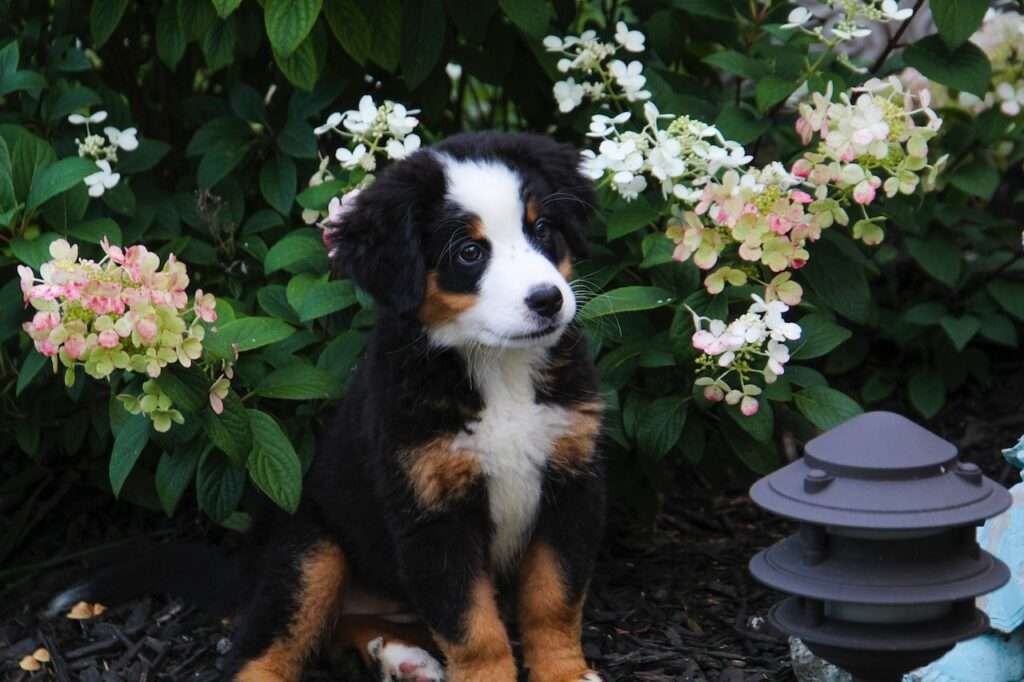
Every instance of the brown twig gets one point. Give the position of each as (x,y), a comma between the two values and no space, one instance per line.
(895,39)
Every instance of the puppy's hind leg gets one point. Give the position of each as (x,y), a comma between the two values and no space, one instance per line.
(397,650)
(291,609)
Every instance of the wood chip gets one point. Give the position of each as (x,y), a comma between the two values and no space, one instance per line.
(81,611)
(42,655)
(29,664)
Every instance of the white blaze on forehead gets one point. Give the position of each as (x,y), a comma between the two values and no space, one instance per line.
(491,191)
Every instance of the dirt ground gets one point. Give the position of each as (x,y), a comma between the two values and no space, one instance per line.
(671,601)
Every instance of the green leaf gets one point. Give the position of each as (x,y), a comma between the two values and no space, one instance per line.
(938,256)
(274,301)
(736,63)
(104,18)
(219,134)
(171,41)
(278,181)
(385,16)
(297,140)
(1009,295)
(273,463)
(350,27)
(300,67)
(219,45)
(964,68)
(761,458)
(771,90)
(629,218)
(925,314)
(657,249)
(226,7)
(173,474)
(289,22)
(423,33)
(299,381)
(187,388)
(219,485)
(8,198)
(741,125)
(36,252)
(977,178)
(999,329)
(317,198)
(292,250)
(195,18)
(825,407)
(712,9)
(230,430)
(29,155)
(341,355)
(659,425)
(57,178)
(128,445)
(29,369)
(838,280)
(248,333)
(819,335)
(927,392)
(531,16)
(760,426)
(624,300)
(961,330)
(957,20)
(218,163)
(93,231)
(148,155)
(324,298)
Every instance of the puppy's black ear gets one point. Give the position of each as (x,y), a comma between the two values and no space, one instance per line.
(379,241)
(572,198)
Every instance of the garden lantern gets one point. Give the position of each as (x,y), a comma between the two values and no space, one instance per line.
(885,566)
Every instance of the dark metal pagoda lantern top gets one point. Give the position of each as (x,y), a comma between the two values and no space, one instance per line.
(885,567)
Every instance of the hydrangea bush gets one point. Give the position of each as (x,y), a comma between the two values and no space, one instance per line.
(802,213)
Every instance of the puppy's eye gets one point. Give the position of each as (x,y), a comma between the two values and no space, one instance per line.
(470,254)
(541,231)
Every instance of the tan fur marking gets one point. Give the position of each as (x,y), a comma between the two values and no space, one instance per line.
(485,655)
(476,229)
(550,624)
(356,631)
(323,571)
(440,306)
(440,474)
(532,212)
(565,267)
(573,450)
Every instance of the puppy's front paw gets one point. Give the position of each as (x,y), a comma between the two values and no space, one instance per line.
(403,663)
(591,676)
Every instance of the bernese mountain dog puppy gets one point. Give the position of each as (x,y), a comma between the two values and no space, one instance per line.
(460,471)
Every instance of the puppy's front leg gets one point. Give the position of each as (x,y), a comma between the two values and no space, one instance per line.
(443,556)
(553,580)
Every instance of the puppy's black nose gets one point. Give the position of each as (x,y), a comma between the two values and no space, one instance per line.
(545,300)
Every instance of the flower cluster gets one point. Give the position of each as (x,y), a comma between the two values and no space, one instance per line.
(681,158)
(752,345)
(125,312)
(874,140)
(850,19)
(103,150)
(1001,38)
(370,132)
(602,78)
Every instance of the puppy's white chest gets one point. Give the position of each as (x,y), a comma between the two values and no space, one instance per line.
(513,439)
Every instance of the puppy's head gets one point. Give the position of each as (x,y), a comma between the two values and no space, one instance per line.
(473,237)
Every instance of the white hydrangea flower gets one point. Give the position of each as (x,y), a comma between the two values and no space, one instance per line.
(351,158)
(332,123)
(399,149)
(798,17)
(568,94)
(125,139)
(400,120)
(632,41)
(102,180)
(78,119)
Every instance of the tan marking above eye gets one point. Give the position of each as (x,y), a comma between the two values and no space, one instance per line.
(440,306)
(532,212)
(565,267)
(476,229)
(440,474)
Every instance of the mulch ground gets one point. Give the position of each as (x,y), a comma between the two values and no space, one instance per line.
(671,601)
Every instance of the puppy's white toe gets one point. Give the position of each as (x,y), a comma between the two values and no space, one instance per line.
(403,663)
(591,677)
